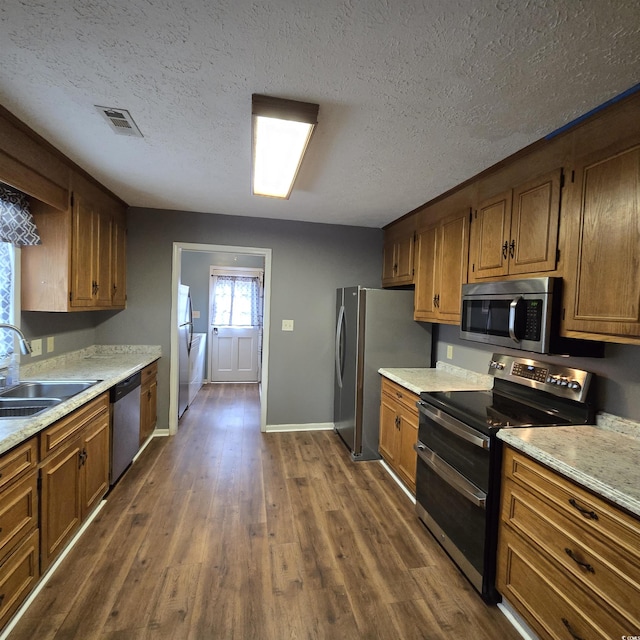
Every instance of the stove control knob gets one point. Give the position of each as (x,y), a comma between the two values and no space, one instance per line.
(575,385)
(494,364)
(563,382)
(553,379)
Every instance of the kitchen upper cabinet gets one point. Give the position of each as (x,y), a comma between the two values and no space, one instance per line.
(399,430)
(602,291)
(80,264)
(398,254)
(441,269)
(516,232)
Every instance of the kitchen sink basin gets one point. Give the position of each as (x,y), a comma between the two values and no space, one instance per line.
(33,396)
(61,389)
(23,407)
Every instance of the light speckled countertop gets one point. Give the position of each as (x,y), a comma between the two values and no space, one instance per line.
(603,458)
(109,364)
(445,377)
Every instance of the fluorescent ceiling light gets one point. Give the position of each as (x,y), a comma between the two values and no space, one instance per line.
(281,133)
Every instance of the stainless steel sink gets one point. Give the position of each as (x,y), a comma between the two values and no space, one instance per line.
(23,407)
(30,397)
(61,389)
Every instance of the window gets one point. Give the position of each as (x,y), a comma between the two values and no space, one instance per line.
(9,303)
(236,301)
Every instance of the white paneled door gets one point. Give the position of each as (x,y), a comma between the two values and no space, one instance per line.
(234,352)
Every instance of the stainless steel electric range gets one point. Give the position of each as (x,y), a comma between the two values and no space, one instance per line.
(459,455)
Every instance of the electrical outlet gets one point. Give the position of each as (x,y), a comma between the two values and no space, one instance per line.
(50,344)
(287,325)
(36,347)
(450,351)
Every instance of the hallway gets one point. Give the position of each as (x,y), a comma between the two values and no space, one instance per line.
(225,532)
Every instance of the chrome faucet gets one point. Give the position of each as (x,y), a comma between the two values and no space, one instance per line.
(25,347)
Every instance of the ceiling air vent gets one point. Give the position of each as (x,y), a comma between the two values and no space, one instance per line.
(120,121)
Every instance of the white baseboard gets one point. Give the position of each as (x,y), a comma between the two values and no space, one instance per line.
(397,480)
(516,621)
(309,426)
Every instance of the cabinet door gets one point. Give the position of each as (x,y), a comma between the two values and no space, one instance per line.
(534,225)
(118,261)
(388,262)
(83,252)
(148,409)
(604,295)
(61,511)
(452,266)
(425,259)
(491,235)
(103,289)
(404,259)
(95,463)
(388,428)
(406,455)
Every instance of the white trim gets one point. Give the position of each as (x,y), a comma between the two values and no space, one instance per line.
(176,268)
(50,571)
(397,480)
(516,620)
(309,426)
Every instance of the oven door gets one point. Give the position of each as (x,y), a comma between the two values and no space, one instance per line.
(452,485)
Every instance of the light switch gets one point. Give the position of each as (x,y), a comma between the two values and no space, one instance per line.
(195,314)
(50,344)
(449,351)
(287,325)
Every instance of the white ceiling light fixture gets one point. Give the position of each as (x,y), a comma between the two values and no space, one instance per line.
(281,132)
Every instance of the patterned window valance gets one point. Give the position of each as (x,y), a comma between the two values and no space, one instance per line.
(16,223)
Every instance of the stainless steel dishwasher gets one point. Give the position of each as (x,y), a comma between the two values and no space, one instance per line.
(125,425)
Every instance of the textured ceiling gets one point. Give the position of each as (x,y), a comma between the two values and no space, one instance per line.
(415,96)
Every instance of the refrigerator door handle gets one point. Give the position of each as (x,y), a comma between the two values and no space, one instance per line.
(340,346)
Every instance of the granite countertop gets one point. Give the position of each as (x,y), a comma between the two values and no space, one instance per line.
(601,458)
(444,377)
(110,364)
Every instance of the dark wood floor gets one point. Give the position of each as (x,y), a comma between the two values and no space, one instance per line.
(224,532)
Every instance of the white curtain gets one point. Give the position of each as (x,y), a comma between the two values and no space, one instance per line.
(237,302)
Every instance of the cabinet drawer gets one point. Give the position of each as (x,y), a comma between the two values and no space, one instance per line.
(18,575)
(400,395)
(67,428)
(600,567)
(18,461)
(18,512)
(549,599)
(595,516)
(149,373)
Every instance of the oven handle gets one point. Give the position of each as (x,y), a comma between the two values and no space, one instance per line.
(513,308)
(454,479)
(456,427)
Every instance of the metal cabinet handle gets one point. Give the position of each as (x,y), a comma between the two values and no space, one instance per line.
(512,249)
(589,515)
(584,565)
(505,248)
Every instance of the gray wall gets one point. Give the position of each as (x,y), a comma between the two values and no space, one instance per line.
(618,373)
(71,331)
(309,262)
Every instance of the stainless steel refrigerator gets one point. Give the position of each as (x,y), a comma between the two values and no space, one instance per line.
(374,328)
(185,338)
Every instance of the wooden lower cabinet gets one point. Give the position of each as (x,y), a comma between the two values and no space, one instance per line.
(399,430)
(148,401)
(74,476)
(19,574)
(568,561)
(19,535)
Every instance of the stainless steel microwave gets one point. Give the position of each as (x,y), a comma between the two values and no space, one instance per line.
(520,314)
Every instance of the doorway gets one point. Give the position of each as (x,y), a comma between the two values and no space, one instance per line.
(227,255)
(236,313)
